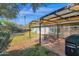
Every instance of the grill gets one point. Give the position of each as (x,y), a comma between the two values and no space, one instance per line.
(72,45)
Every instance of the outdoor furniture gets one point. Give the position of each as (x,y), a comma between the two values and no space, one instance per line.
(72,45)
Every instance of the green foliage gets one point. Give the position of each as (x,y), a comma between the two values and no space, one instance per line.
(11,26)
(8,10)
(7,23)
(35,6)
(4,40)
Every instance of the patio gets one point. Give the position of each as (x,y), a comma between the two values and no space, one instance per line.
(57,46)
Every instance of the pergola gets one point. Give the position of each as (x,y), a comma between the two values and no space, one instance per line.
(64,15)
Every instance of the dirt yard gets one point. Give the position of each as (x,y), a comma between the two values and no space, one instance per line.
(22,41)
(57,47)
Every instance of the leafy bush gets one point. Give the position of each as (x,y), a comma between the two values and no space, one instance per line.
(4,40)
(11,26)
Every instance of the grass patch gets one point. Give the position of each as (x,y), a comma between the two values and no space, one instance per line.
(32,35)
(23,36)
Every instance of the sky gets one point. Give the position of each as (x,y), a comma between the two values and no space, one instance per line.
(27,12)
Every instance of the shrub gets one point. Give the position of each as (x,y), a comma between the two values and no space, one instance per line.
(4,40)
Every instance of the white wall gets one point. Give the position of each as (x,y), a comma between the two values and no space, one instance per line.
(44,30)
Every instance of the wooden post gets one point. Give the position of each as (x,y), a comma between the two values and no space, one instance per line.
(40,32)
(58,29)
(29,31)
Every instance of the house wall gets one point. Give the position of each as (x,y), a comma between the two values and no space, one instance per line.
(44,30)
(53,30)
(63,30)
(69,30)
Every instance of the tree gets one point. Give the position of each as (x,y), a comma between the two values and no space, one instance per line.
(9,10)
(35,6)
